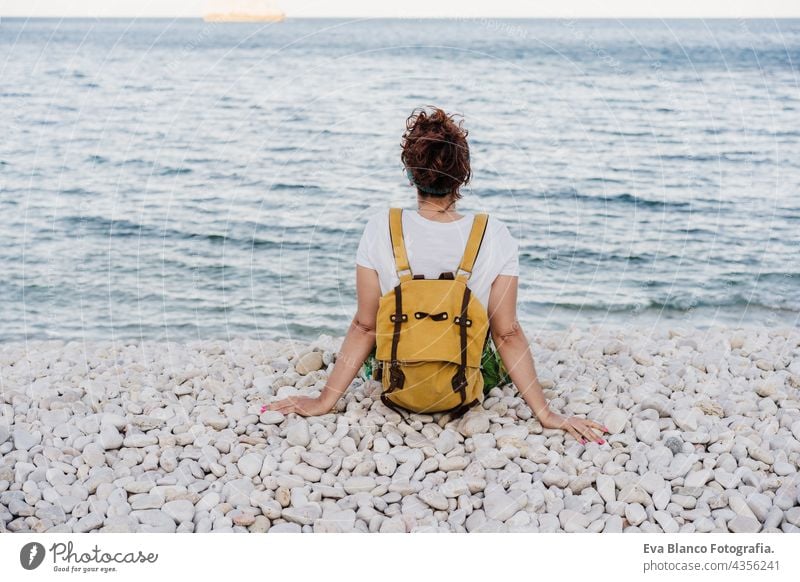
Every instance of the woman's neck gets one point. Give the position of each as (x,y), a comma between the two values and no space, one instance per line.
(441,210)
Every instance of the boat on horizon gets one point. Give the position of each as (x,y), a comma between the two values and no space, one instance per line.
(242,11)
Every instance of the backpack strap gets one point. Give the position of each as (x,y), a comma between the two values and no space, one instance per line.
(398,245)
(473,246)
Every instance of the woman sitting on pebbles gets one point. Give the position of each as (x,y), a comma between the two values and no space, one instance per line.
(436,155)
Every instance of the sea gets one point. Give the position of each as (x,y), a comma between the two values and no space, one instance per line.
(176,180)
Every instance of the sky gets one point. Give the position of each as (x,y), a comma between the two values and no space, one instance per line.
(424,8)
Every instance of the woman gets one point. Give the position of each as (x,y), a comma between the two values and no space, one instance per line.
(436,157)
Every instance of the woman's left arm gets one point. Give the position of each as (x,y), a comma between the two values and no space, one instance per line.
(357,345)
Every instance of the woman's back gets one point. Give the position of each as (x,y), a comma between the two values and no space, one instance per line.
(435,247)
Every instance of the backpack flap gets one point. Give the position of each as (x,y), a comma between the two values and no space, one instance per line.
(429,322)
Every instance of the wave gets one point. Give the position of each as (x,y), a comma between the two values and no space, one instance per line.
(739,304)
(77,192)
(124,228)
(624,199)
(170,171)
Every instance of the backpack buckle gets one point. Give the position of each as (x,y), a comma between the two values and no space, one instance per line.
(459,381)
(393,317)
(396,376)
(434,316)
(457,320)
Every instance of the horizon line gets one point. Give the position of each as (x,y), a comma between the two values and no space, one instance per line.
(384,17)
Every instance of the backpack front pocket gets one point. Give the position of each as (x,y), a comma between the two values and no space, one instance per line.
(428,386)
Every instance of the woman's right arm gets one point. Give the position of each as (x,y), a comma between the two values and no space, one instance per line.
(514,349)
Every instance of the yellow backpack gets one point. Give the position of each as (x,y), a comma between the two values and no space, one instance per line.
(431,333)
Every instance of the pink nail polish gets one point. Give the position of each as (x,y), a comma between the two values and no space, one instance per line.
(601,441)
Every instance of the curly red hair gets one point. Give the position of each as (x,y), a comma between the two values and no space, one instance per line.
(436,152)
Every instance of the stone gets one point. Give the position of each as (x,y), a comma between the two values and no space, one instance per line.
(446,442)
(304,515)
(140,440)
(180,510)
(727,480)
(652,482)
(285,527)
(250,464)
(635,513)
(491,458)
(743,524)
(666,521)
(145,501)
(110,437)
(260,525)
(435,499)
(454,487)
(634,493)
(340,521)
(309,362)
(297,434)
(474,422)
(154,521)
(555,477)
(697,478)
(763,455)
(686,419)
(385,464)
(647,431)
(572,521)
(216,421)
(674,444)
(393,525)
(737,503)
(94,455)
(499,505)
(359,484)
(606,488)
(761,504)
(307,472)
(453,464)
(244,519)
(88,523)
(484,441)
(792,516)
(271,417)
(613,524)
(237,492)
(315,459)
(615,420)
(25,440)
(20,508)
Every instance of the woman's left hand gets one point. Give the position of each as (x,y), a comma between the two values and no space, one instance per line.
(302,405)
(581,429)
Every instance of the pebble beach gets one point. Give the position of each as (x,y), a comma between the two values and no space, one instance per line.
(148,436)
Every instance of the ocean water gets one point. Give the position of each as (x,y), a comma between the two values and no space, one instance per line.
(177,179)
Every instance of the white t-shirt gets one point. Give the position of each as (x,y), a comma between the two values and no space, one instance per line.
(436,247)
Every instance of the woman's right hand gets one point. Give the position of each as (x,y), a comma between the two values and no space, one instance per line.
(580,428)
